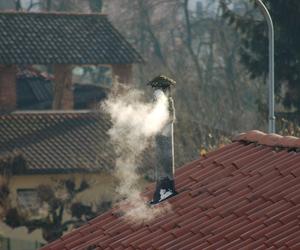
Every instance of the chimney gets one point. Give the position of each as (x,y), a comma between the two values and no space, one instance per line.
(123,72)
(63,98)
(8,95)
(165,186)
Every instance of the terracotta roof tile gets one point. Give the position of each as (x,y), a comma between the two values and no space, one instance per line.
(269,139)
(198,244)
(243,196)
(293,242)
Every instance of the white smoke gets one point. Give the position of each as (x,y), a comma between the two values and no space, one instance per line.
(135,123)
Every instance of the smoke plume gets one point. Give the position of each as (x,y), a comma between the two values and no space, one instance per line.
(135,123)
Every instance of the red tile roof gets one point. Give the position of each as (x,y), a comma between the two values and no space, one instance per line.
(245,195)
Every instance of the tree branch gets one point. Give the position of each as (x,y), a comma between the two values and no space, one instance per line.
(32,5)
(189,41)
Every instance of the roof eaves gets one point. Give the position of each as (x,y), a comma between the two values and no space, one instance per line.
(42,171)
(52,13)
(272,140)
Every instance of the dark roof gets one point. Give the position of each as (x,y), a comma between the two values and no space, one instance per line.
(62,38)
(245,195)
(58,141)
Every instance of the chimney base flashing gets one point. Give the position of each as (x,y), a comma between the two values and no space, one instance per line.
(165,188)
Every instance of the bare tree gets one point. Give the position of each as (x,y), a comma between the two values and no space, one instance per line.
(215,96)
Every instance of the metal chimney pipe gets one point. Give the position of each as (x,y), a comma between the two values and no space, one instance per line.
(165,185)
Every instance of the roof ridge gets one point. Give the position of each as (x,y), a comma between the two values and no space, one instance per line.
(54,13)
(85,111)
(271,139)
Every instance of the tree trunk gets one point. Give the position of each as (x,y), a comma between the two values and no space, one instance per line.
(48,5)
(95,6)
(189,42)
(18,5)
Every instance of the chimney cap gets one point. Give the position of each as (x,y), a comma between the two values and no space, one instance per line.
(162,82)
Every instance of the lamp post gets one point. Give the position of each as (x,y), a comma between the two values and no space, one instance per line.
(266,14)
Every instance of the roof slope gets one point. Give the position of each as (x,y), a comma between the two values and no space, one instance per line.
(60,38)
(245,195)
(58,141)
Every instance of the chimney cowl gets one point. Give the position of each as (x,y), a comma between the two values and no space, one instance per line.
(162,82)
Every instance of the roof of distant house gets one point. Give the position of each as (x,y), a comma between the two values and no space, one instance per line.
(52,142)
(62,38)
(245,195)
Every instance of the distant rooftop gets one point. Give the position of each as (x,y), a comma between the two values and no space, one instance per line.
(52,141)
(41,142)
(62,38)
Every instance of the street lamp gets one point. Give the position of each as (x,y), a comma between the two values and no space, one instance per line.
(267,16)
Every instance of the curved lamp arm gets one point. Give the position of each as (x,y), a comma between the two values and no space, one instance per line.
(267,16)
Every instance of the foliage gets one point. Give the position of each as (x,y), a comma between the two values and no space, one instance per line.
(4,198)
(96,5)
(254,52)
(288,128)
(214,144)
(60,5)
(56,203)
(9,165)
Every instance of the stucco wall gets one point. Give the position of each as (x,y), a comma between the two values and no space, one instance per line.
(101,188)
(101,184)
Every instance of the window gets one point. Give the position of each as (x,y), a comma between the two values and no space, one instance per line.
(98,75)
(33,5)
(28,200)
